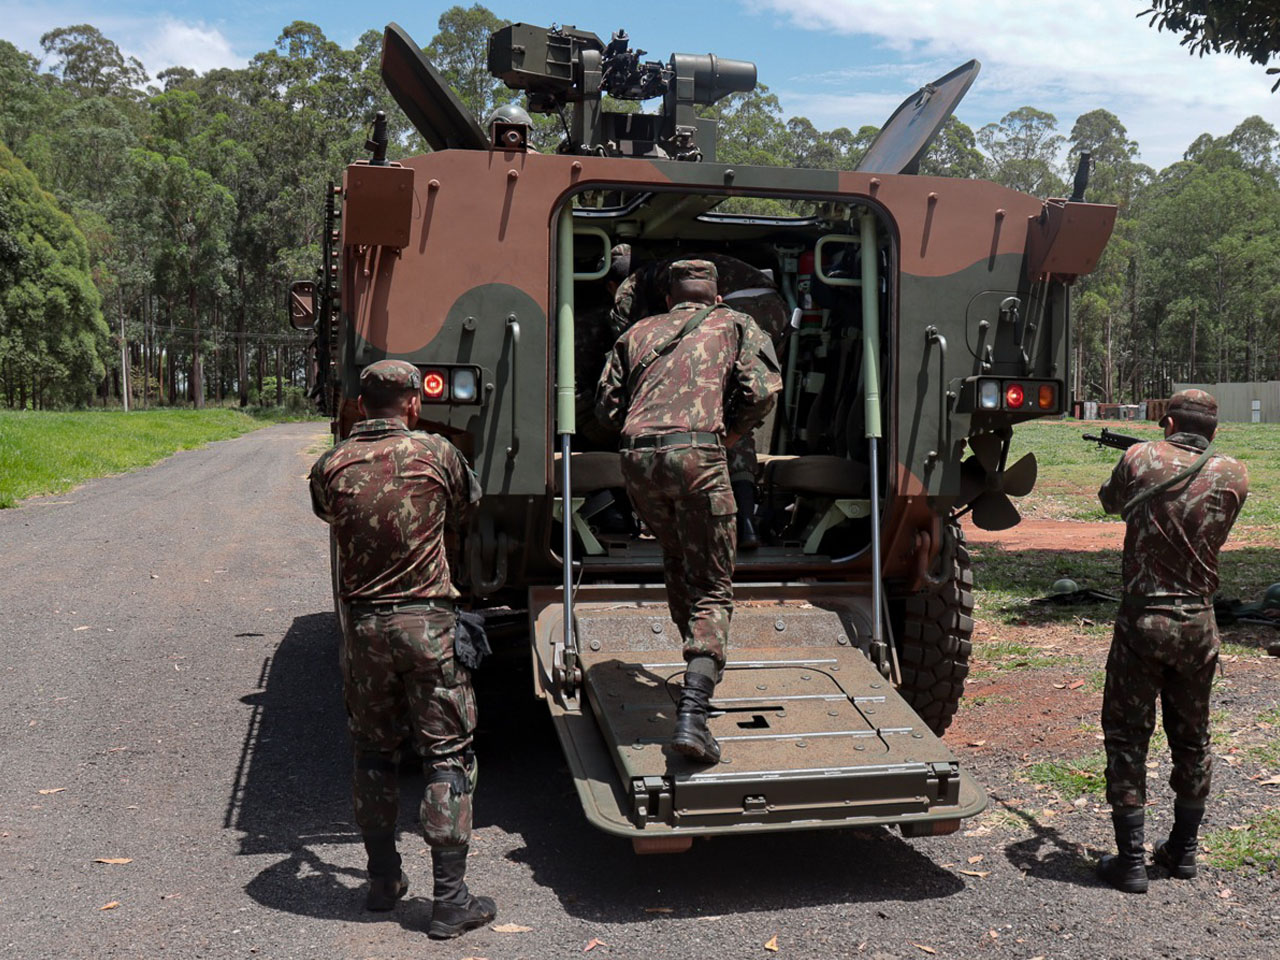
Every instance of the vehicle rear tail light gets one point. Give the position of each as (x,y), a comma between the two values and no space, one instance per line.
(989,394)
(1047,398)
(433,385)
(1014,395)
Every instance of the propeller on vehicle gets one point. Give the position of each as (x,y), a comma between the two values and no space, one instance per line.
(985,488)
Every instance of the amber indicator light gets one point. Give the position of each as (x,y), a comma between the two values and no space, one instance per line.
(1045,398)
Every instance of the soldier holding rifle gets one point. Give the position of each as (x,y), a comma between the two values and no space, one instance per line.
(1178,500)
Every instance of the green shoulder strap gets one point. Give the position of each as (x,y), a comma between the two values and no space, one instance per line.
(648,359)
(1143,496)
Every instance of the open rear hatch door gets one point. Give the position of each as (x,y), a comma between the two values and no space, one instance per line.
(426,97)
(906,135)
(812,733)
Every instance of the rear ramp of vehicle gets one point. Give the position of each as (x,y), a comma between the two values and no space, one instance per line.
(812,732)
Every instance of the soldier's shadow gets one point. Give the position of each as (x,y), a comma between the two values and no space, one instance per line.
(291,795)
(1048,855)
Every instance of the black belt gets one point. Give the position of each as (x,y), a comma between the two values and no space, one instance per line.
(373,608)
(697,438)
(1140,601)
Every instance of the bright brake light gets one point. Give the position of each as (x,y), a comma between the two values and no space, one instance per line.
(1014,395)
(433,385)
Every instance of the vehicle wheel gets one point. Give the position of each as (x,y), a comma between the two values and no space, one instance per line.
(934,630)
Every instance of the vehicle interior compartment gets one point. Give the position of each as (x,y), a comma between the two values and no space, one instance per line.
(813,472)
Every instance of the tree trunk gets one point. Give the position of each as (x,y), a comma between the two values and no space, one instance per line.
(242,345)
(279,379)
(197,372)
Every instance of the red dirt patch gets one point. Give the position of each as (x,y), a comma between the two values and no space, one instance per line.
(1080,535)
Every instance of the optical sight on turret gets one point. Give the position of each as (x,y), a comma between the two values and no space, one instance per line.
(563,65)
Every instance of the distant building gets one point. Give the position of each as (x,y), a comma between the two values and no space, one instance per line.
(1257,402)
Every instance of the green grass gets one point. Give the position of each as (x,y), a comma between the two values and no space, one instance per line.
(44,453)
(1258,842)
(1271,717)
(1266,754)
(1071,470)
(1072,778)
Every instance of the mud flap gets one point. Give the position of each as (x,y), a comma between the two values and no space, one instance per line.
(812,733)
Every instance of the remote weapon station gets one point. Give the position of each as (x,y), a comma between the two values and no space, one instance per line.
(928,317)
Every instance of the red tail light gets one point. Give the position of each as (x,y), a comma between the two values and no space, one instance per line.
(1014,395)
(433,385)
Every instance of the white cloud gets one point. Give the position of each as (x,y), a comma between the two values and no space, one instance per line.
(1066,56)
(175,43)
(158,42)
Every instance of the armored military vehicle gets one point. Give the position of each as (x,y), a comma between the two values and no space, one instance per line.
(929,316)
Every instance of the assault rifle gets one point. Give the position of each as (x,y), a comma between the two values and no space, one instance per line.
(1118,441)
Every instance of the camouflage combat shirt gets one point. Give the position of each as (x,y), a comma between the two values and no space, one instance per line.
(645,290)
(1171,541)
(720,378)
(389,493)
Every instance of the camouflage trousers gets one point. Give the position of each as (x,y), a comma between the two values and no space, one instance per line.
(1169,653)
(683,496)
(399,674)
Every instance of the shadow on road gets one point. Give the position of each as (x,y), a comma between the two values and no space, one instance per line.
(1048,855)
(291,797)
(292,789)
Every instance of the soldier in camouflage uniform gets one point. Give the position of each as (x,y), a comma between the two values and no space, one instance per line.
(746,289)
(668,385)
(1178,501)
(389,494)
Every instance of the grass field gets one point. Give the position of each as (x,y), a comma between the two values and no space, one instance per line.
(1071,470)
(50,452)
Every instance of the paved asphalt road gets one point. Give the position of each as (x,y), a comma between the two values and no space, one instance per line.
(170,672)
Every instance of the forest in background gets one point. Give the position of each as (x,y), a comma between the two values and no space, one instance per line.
(156,221)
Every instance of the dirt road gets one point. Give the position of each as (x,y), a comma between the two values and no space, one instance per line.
(171,697)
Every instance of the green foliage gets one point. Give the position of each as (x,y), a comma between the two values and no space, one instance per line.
(44,453)
(1245,28)
(1023,148)
(51,328)
(82,56)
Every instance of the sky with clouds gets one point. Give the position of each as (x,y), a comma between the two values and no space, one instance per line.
(838,62)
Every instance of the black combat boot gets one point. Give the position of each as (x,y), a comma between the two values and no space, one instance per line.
(744,494)
(387,882)
(455,910)
(692,738)
(1178,853)
(1127,869)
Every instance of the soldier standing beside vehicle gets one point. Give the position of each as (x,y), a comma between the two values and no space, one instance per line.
(388,494)
(668,384)
(1178,501)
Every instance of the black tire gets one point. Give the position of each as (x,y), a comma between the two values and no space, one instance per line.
(934,633)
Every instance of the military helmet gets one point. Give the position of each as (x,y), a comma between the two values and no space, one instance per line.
(509,113)
(1064,586)
(509,127)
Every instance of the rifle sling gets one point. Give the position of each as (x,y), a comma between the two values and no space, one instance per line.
(648,359)
(1143,496)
